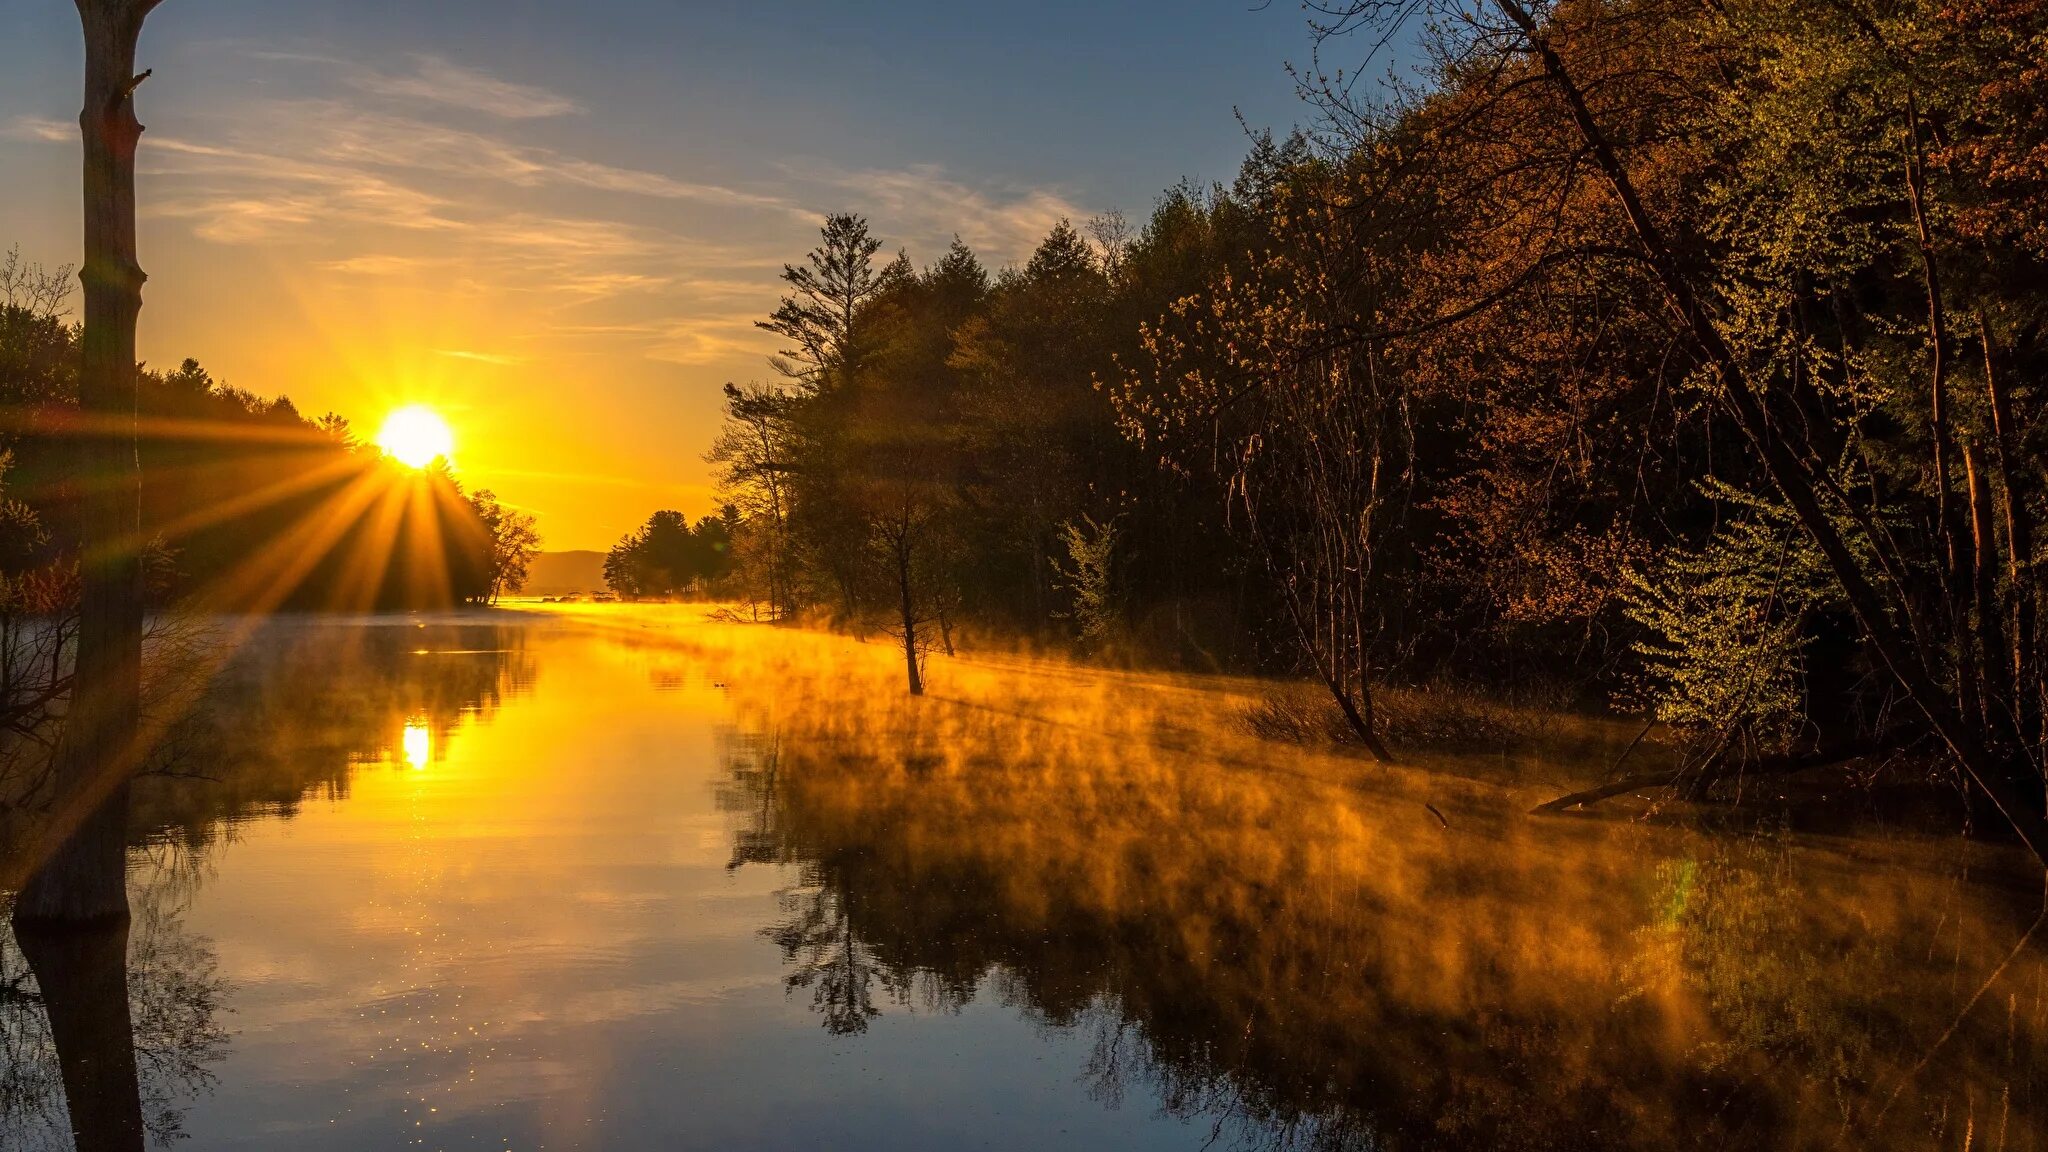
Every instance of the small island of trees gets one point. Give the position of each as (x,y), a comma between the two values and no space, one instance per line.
(670,557)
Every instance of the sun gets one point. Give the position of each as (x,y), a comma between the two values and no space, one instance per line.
(415,436)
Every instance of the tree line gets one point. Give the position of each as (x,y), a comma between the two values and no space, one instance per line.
(235,486)
(669,557)
(1682,358)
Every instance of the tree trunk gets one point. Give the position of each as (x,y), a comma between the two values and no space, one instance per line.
(1995,777)
(909,618)
(1359,714)
(81,878)
(1949,517)
(2000,713)
(1937,363)
(1330,665)
(82,972)
(2019,540)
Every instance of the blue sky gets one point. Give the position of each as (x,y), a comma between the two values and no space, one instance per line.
(557,221)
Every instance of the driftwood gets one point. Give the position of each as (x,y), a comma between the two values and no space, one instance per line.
(1613,788)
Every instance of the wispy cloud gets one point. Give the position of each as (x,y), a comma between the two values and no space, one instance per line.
(497,358)
(709,339)
(39,128)
(377,265)
(374,178)
(440,81)
(925,204)
(318,140)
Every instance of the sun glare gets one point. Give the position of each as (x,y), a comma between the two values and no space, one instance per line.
(415,436)
(417,744)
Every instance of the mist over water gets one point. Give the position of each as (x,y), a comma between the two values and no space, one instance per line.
(618,877)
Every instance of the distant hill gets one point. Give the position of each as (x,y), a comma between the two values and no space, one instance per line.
(557,573)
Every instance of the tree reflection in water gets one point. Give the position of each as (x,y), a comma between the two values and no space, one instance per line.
(173,1027)
(1294,955)
(298,709)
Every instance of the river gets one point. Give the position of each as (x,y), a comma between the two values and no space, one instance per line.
(620,877)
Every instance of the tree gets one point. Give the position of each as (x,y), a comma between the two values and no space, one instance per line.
(1312,434)
(753,450)
(1036,428)
(822,315)
(1754,254)
(1089,575)
(903,500)
(75,902)
(669,556)
(81,876)
(513,543)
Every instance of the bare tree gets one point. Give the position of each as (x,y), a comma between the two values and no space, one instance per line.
(902,512)
(41,292)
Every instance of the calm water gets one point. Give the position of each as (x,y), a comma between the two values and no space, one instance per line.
(623,879)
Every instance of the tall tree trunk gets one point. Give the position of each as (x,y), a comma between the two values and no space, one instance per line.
(1996,778)
(82,876)
(2019,541)
(909,609)
(1937,362)
(2000,712)
(1950,520)
(82,973)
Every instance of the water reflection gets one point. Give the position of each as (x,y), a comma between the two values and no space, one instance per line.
(121,1022)
(306,702)
(418,742)
(111,1031)
(1292,956)
(891,915)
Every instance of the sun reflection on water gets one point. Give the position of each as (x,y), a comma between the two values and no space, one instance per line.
(417,744)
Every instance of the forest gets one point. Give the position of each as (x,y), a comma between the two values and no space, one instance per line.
(1670,359)
(1514,620)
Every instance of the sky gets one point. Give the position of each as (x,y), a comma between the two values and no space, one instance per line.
(556,223)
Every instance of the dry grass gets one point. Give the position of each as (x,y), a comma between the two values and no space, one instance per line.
(1434,718)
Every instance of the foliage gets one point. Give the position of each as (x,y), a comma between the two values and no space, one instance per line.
(1727,626)
(513,542)
(823,317)
(669,557)
(1091,549)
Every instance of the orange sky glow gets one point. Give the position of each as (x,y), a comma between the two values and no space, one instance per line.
(557,243)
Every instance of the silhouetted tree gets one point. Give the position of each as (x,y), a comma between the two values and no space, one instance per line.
(822,316)
(513,542)
(669,556)
(81,875)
